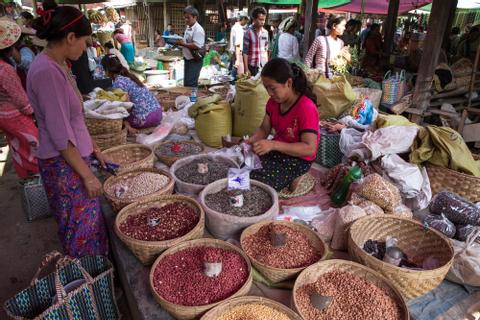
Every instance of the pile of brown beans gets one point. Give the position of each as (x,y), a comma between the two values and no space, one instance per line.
(253,311)
(354,298)
(138,186)
(174,220)
(297,252)
(179,278)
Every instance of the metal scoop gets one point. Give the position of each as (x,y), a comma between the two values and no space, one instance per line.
(320,302)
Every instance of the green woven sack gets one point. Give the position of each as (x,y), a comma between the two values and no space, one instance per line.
(213,120)
(249,107)
(50,297)
(329,154)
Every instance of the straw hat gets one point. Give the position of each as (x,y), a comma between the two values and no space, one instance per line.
(10,32)
(287,23)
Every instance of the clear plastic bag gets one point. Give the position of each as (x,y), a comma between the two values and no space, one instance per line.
(380,191)
(455,208)
(463,231)
(324,224)
(368,206)
(440,223)
(346,216)
(402,211)
(466,262)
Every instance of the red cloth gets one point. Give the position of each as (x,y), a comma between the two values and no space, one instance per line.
(302,117)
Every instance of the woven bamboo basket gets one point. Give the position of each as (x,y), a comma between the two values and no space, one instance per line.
(276,275)
(148,251)
(312,273)
(103,126)
(228,305)
(190,312)
(414,240)
(168,160)
(131,156)
(110,140)
(444,179)
(119,203)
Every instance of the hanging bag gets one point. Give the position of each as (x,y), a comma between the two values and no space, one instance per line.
(393,86)
(78,289)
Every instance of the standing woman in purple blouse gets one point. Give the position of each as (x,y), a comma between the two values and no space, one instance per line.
(65,145)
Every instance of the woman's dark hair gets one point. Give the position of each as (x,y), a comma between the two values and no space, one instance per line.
(5,55)
(109,45)
(113,65)
(281,70)
(118,30)
(49,4)
(373,27)
(333,21)
(258,11)
(55,24)
(26,15)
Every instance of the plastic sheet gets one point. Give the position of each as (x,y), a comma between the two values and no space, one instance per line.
(466,262)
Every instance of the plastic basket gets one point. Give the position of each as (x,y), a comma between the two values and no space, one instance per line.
(34,199)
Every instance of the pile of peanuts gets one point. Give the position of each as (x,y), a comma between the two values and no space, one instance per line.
(138,186)
(354,298)
(297,252)
(253,311)
(180,278)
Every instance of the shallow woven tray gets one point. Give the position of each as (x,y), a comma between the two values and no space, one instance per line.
(444,179)
(276,275)
(312,273)
(119,203)
(411,236)
(110,140)
(171,160)
(307,184)
(102,126)
(131,156)
(190,312)
(228,305)
(148,251)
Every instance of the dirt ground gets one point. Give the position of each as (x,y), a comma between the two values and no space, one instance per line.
(22,243)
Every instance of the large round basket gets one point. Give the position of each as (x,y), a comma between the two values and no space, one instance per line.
(109,140)
(276,275)
(415,242)
(444,179)
(148,251)
(228,305)
(191,188)
(190,312)
(169,160)
(131,156)
(119,203)
(224,226)
(102,126)
(312,273)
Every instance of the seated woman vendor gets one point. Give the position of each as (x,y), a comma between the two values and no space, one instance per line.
(146,111)
(294,117)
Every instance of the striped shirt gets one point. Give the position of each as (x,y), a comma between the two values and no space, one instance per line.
(255,46)
(13,98)
(318,52)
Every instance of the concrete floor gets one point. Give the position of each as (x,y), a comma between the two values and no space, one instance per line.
(23,243)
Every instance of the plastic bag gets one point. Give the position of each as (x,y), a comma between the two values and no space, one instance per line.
(369,207)
(422,200)
(380,191)
(161,131)
(334,96)
(463,232)
(350,139)
(455,208)
(440,223)
(407,177)
(401,211)
(324,224)
(346,216)
(231,94)
(466,262)
(389,140)
(238,179)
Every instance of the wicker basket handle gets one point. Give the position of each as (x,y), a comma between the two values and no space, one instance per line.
(47,259)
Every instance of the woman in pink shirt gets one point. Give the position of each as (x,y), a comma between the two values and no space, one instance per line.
(16,118)
(126,45)
(65,145)
(293,115)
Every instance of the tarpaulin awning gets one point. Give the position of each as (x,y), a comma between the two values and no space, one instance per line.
(321,3)
(378,6)
(462,4)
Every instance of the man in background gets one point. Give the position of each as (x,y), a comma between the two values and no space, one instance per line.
(256,43)
(236,43)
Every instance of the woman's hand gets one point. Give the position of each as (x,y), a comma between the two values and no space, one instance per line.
(101,157)
(131,130)
(263,147)
(93,186)
(346,53)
